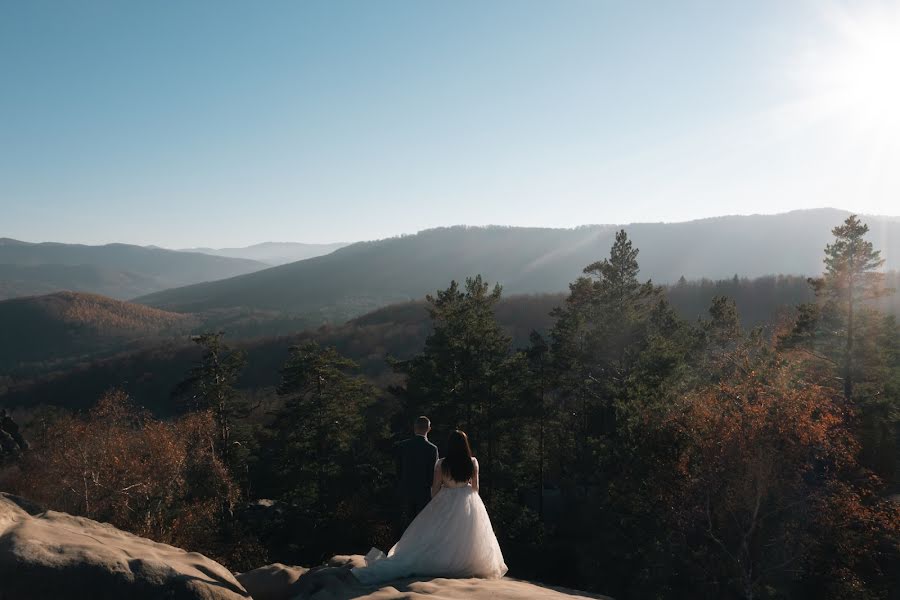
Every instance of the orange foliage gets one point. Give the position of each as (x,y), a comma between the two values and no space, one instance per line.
(106,314)
(762,466)
(157,479)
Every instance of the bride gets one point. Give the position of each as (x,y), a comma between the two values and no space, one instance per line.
(452,536)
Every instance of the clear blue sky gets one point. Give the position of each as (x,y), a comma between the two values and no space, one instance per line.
(221,123)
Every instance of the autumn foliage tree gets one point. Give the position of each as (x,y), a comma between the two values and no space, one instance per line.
(118,464)
(765,464)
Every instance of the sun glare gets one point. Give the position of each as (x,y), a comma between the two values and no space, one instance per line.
(854,75)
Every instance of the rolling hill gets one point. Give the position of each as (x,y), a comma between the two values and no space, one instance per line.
(117,270)
(59,329)
(367,275)
(150,373)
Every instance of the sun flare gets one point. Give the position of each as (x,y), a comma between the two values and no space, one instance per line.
(854,75)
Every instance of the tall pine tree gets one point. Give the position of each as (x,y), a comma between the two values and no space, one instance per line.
(595,341)
(851,279)
(319,425)
(849,341)
(459,379)
(210,385)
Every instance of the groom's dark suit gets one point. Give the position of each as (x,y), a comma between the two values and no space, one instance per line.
(415,467)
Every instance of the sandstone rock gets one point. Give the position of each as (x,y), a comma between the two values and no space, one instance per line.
(272,582)
(51,555)
(335,582)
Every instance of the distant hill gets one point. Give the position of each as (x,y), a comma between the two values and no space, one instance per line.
(273,253)
(59,329)
(117,270)
(19,281)
(367,275)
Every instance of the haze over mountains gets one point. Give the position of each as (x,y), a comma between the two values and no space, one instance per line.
(273,253)
(340,284)
(367,275)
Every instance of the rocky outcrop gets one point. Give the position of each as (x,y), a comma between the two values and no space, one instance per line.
(49,555)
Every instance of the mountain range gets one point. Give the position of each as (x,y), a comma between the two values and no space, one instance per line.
(116,270)
(272,253)
(363,276)
(343,283)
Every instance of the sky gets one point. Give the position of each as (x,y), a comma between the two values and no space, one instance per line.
(226,123)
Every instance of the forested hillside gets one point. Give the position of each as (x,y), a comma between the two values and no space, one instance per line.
(397,330)
(50,332)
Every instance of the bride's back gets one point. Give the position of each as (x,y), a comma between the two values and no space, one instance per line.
(450,482)
(458,468)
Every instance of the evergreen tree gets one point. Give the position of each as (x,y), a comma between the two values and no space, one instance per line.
(619,356)
(851,278)
(320,425)
(210,385)
(724,324)
(722,331)
(538,356)
(851,343)
(838,327)
(459,379)
(595,341)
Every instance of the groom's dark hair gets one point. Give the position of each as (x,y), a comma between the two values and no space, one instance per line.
(422,424)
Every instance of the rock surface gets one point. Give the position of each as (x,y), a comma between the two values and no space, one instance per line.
(335,582)
(272,582)
(49,555)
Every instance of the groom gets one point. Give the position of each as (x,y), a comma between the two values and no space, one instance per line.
(416,458)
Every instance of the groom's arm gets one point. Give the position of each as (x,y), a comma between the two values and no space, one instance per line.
(437,480)
(433,460)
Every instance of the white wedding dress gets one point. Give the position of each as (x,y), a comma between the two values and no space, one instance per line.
(451,537)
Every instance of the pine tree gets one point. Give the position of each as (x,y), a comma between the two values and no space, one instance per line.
(459,379)
(852,343)
(851,278)
(538,356)
(320,422)
(596,337)
(210,385)
(616,285)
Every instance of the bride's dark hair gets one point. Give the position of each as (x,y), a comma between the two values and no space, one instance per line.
(457,465)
